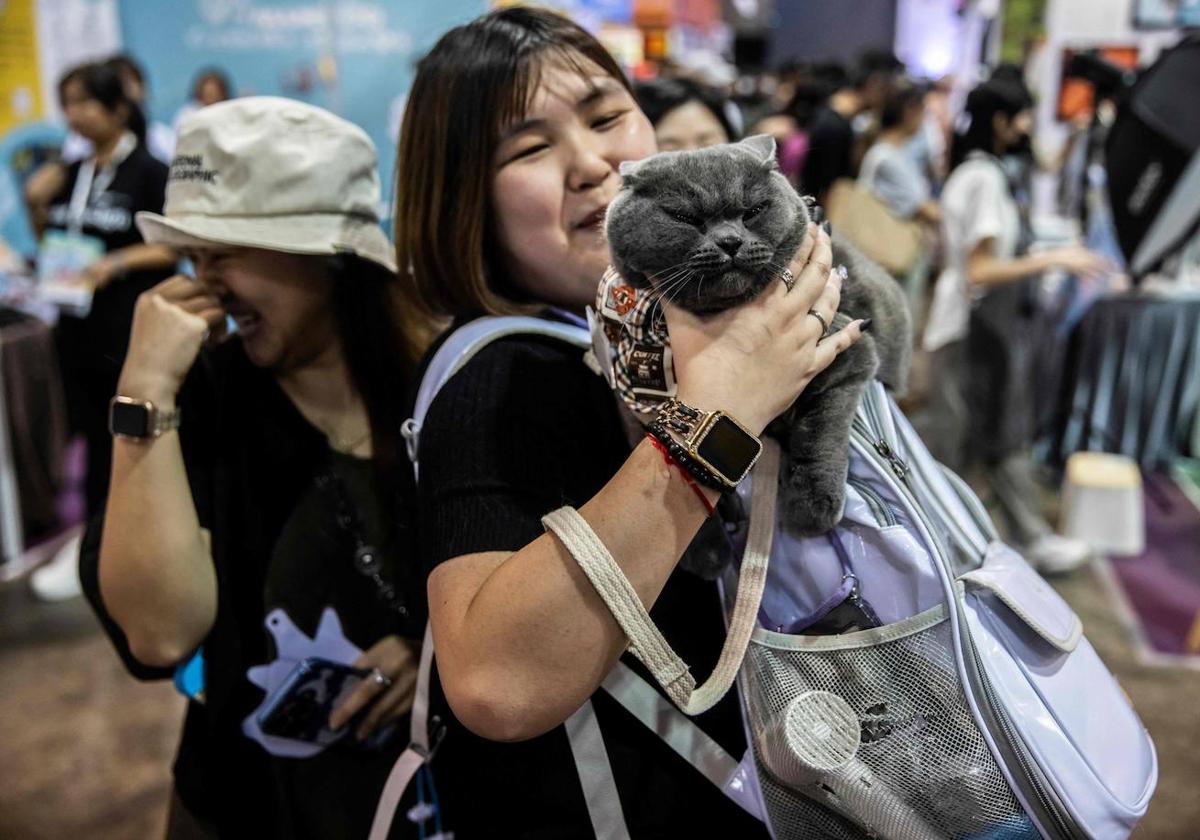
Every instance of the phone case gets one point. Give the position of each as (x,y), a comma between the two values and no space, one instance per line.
(300,708)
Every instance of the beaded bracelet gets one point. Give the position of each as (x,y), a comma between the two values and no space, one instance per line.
(700,472)
(691,482)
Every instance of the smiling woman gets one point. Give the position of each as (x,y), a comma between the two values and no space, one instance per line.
(685,115)
(258,478)
(509,156)
(554,181)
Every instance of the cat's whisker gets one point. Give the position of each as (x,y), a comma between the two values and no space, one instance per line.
(678,280)
(667,279)
(669,269)
(680,286)
(666,291)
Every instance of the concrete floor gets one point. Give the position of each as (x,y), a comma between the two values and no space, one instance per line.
(1168,701)
(85,751)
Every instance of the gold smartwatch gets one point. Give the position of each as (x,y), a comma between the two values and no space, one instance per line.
(712,439)
(132,419)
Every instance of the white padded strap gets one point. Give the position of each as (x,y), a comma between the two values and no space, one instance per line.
(645,640)
(462,346)
(595,774)
(419,724)
(682,735)
(406,766)
(418,751)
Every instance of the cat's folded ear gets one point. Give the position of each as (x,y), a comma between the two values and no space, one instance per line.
(629,170)
(762,148)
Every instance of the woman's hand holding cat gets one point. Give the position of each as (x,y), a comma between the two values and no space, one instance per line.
(754,360)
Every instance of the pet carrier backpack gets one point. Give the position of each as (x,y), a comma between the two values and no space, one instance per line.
(975,709)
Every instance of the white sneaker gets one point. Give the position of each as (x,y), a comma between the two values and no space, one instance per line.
(1052,554)
(58,579)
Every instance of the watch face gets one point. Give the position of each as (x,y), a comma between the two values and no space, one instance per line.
(129,419)
(727,449)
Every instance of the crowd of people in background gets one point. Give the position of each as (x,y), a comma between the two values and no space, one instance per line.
(112,165)
(962,191)
(225,526)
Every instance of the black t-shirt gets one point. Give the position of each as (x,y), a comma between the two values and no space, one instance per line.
(830,152)
(139,183)
(252,462)
(524,428)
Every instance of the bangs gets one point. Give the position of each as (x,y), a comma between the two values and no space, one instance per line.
(475,84)
(516,94)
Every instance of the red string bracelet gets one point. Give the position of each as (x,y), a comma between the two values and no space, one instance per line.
(687,477)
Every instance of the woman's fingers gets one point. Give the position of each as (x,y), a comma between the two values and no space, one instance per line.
(215,318)
(836,343)
(198,303)
(811,275)
(396,701)
(826,305)
(800,259)
(393,665)
(179,288)
(363,694)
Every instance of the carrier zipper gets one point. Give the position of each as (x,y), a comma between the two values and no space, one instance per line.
(883,512)
(878,431)
(974,507)
(1050,813)
(1050,807)
(874,428)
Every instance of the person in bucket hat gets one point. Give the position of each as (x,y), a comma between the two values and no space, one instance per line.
(272,173)
(259,491)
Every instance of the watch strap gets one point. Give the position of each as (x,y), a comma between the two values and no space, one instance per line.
(682,429)
(659,429)
(681,417)
(162,422)
(158,422)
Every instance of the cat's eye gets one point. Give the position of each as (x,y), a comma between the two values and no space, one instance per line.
(694,221)
(755,210)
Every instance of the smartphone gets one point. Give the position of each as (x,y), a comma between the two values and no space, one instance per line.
(850,615)
(299,709)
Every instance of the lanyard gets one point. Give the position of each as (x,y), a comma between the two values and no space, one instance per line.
(89,180)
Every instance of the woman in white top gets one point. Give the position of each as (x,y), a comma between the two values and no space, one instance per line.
(977,329)
(889,170)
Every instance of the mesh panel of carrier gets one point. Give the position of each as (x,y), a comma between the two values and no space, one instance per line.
(921,769)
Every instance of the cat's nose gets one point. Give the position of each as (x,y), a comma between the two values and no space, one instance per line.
(729,242)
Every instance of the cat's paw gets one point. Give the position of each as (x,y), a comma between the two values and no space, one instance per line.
(814,511)
(857,363)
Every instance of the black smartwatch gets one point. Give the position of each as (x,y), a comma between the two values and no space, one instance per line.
(722,447)
(138,419)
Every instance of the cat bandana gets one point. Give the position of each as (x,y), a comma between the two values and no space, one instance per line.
(631,345)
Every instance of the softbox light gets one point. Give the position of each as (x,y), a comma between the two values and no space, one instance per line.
(1153,159)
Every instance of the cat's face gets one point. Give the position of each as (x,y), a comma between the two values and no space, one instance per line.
(708,229)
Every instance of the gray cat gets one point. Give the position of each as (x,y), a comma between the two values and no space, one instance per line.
(711,229)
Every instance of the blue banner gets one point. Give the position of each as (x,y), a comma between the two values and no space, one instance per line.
(353,57)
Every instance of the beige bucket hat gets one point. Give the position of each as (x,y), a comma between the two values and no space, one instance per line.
(273,173)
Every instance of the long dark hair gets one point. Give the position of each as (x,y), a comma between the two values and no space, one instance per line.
(903,96)
(365,308)
(477,79)
(978,130)
(102,82)
(659,97)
